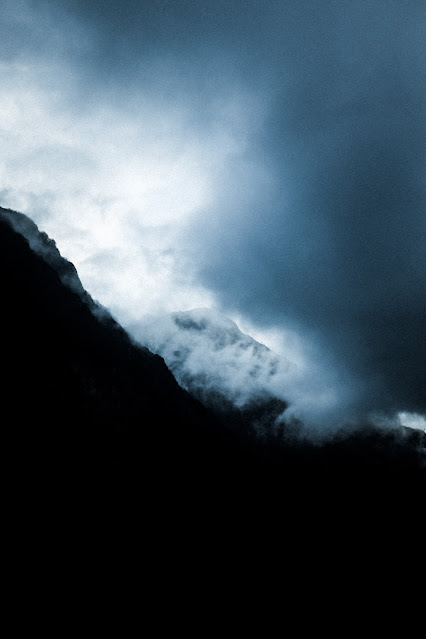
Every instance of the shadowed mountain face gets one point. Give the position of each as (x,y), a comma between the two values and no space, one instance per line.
(90,417)
(84,404)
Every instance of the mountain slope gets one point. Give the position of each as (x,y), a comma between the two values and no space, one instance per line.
(89,417)
(85,407)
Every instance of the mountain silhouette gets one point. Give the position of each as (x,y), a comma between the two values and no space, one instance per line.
(92,421)
(87,406)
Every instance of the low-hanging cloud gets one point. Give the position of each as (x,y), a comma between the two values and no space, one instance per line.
(208,353)
(214,359)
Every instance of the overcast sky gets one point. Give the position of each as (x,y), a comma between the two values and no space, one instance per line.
(262,157)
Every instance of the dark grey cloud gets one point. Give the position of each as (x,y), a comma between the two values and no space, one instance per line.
(337,248)
(318,225)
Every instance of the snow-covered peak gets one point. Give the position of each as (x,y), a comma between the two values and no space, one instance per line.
(207,352)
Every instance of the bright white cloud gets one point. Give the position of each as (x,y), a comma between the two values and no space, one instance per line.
(412,420)
(114,184)
(203,347)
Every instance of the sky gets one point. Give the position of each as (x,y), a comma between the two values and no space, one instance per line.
(262,158)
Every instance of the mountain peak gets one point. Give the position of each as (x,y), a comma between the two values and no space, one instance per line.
(215,361)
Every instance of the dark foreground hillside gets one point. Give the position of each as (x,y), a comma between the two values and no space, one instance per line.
(96,426)
(85,407)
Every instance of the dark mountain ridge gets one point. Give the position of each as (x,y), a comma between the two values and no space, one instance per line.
(91,418)
(83,395)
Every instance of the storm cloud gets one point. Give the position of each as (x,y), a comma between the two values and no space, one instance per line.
(267,158)
(336,248)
